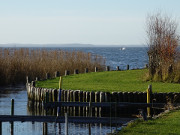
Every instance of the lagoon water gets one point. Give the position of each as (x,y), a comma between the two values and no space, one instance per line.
(135,57)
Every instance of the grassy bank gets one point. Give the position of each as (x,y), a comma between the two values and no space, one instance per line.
(131,80)
(16,64)
(165,125)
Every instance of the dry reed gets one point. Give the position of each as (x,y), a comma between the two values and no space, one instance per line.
(16,64)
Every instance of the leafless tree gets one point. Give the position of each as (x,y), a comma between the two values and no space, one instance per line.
(162,40)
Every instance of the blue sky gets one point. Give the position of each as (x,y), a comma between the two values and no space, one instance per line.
(99,22)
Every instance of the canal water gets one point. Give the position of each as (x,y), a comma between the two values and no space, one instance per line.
(19,94)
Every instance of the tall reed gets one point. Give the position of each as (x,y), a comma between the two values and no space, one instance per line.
(16,64)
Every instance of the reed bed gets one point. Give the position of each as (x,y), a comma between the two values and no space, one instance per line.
(17,63)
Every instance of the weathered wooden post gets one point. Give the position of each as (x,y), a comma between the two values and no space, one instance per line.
(67,72)
(59,96)
(87,100)
(117,68)
(149,91)
(107,68)
(47,75)
(12,113)
(96,69)
(102,99)
(33,83)
(80,100)
(57,74)
(66,123)
(97,95)
(127,67)
(76,71)
(37,79)
(86,70)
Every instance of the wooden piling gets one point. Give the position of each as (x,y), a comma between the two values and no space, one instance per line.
(107,68)
(117,68)
(80,93)
(67,72)
(76,99)
(96,69)
(84,100)
(127,68)
(86,70)
(76,71)
(47,75)
(97,95)
(57,74)
(92,99)
(87,100)
(102,99)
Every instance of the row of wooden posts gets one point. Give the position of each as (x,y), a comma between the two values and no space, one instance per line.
(38,95)
(76,71)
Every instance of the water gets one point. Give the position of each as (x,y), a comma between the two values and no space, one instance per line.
(135,57)
(28,128)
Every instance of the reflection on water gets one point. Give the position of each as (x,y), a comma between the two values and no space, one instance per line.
(19,94)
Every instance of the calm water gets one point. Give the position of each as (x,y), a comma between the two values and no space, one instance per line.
(135,57)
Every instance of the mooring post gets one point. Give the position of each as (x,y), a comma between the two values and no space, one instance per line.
(59,95)
(66,124)
(12,113)
(149,91)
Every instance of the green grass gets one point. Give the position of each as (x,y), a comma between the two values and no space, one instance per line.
(131,80)
(168,124)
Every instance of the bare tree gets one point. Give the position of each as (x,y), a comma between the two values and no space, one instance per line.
(162,39)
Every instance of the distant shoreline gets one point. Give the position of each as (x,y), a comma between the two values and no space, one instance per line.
(64,45)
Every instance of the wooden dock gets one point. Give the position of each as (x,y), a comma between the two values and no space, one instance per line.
(61,119)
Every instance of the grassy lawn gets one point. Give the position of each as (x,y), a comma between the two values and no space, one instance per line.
(131,80)
(168,124)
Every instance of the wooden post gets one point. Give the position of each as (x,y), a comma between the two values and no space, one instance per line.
(149,91)
(59,95)
(97,96)
(37,78)
(67,72)
(117,68)
(47,75)
(96,69)
(12,113)
(33,83)
(66,124)
(57,74)
(127,67)
(76,71)
(107,68)
(86,70)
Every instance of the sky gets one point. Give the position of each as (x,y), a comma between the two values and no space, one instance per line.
(98,22)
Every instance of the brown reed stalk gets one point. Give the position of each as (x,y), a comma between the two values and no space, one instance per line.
(16,64)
